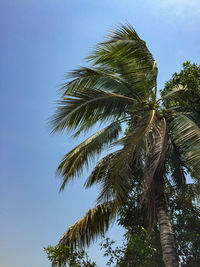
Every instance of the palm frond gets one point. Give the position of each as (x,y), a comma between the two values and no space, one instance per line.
(112,186)
(98,78)
(134,142)
(126,35)
(115,171)
(137,77)
(192,193)
(175,93)
(115,177)
(73,162)
(95,223)
(88,125)
(139,131)
(101,169)
(177,167)
(186,136)
(126,38)
(84,107)
(127,55)
(194,116)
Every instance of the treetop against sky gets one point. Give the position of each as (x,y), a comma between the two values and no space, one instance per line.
(40,41)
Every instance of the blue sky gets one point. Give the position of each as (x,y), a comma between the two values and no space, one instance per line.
(40,41)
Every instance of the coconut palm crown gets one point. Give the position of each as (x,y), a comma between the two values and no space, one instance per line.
(120,86)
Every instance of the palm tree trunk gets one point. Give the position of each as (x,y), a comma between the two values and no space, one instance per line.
(170,256)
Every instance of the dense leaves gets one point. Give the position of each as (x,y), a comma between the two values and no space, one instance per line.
(187,85)
(185,216)
(62,256)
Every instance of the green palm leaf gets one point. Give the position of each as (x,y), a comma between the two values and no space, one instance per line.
(175,98)
(126,54)
(73,162)
(95,222)
(174,91)
(111,186)
(139,133)
(115,171)
(186,136)
(134,143)
(97,78)
(177,170)
(101,169)
(115,177)
(84,107)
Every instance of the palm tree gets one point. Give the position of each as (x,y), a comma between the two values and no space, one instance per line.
(119,87)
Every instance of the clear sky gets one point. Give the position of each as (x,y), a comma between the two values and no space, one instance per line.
(40,41)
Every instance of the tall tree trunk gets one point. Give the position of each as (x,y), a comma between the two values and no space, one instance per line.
(170,256)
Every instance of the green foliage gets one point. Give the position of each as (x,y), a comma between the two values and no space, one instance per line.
(137,250)
(186,136)
(62,256)
(185,214)
(186,100)
(184,125)
(114,254)
(142,248)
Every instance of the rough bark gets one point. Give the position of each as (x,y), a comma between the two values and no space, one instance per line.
(170,256)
